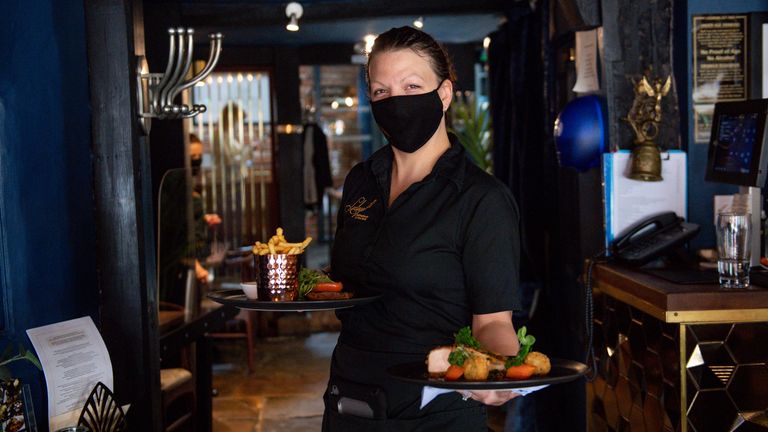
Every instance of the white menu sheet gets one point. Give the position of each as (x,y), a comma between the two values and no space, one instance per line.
(74,359)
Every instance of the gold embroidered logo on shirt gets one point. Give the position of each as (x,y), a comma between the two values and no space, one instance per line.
(356,210)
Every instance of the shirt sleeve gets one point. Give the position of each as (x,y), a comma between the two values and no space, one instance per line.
(491,253)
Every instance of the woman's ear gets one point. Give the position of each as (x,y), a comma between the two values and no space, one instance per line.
(445,91)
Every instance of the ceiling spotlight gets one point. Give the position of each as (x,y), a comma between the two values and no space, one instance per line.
(293,11)
(419,23)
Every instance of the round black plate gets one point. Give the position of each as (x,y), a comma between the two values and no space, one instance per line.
(562,371)
(235,297)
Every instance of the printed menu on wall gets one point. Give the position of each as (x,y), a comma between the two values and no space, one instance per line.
(720,69)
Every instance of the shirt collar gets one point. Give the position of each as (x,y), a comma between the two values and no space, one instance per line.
(451,164)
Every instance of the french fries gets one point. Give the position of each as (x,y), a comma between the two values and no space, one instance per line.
(279,245)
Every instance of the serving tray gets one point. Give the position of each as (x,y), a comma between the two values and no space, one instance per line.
(562,371)
(236,298)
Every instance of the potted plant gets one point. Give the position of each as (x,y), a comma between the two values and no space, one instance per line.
(8,357)
(11,399)
(471,123)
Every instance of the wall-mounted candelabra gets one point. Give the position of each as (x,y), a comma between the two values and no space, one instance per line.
(157,91)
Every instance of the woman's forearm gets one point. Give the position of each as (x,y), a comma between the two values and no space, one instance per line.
(496,332)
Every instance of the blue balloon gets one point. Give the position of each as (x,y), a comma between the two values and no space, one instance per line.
(580,133)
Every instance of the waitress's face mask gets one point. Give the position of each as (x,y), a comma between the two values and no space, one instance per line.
(196,163)
(409,121)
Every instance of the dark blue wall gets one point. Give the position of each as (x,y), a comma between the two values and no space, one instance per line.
(47,237)
(700,192)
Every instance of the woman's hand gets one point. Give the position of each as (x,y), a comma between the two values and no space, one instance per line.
(201,273)
(489,397)
(212,219)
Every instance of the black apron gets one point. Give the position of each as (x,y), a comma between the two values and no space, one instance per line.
(372,401)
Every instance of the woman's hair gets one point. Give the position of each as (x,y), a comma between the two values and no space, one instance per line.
(420,43)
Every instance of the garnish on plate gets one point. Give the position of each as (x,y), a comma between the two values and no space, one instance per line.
(316,285)
(467,359)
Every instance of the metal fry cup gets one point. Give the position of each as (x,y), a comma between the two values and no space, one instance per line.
(278,277)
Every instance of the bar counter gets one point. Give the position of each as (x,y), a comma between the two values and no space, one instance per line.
(677,357)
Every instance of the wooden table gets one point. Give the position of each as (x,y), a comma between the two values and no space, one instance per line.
(677,357)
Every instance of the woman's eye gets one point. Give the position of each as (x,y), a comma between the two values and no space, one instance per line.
(413,86)
(378,92)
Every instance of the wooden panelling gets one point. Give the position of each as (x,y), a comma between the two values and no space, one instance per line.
(122,192)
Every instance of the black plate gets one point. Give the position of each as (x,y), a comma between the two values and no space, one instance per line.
(562,371)
(235,297)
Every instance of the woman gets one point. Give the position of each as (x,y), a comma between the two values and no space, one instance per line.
(435,234)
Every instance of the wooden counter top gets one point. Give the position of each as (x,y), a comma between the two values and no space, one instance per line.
(678,303)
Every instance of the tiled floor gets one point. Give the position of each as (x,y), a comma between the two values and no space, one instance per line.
(284,392)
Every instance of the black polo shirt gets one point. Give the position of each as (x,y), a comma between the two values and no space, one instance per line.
(446,249)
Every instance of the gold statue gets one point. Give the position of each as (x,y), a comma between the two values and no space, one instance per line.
(644,118)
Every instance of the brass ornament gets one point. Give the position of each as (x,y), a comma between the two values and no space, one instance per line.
(644,118)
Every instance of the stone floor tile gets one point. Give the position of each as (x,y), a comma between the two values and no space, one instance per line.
(282,407)
(302,424)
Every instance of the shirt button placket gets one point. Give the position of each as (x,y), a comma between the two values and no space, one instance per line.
(369,249)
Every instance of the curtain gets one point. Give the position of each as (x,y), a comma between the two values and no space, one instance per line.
(523,151)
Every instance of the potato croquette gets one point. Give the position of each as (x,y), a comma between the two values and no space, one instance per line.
(476,368)
(539,361)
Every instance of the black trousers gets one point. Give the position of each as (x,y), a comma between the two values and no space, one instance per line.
(389,404)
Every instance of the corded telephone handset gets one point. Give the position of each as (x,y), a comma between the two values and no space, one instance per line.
(653,237)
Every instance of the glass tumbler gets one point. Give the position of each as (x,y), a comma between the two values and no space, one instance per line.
(733,247)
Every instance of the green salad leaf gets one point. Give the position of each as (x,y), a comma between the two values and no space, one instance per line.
(464,337)
(458,356)
(526,342)
(308,278)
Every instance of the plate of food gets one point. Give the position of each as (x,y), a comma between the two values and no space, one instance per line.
(320,301)
(465,365)
(281,285)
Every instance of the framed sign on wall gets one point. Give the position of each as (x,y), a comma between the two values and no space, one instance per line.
(720,69)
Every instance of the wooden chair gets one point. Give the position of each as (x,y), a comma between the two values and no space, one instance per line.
(241,326)
(234,330)
(178,399)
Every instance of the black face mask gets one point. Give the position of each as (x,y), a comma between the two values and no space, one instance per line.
(409,122)
(196,164)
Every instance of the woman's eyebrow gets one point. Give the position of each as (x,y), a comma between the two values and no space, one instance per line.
(379,83)
(416,75)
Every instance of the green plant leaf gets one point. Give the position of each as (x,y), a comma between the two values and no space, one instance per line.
(23,354)
(29,355)
(472,126)
(5,373)
(7,352)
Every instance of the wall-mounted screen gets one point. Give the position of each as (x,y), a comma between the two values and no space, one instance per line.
(737,150)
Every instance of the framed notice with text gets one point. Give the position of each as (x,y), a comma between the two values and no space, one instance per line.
(720,68)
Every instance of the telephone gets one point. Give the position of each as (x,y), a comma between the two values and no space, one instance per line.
(653,237)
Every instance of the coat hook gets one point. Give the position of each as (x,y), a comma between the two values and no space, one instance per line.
(157,92)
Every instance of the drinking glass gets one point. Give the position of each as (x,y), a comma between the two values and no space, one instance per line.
(733,246)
